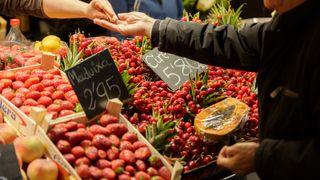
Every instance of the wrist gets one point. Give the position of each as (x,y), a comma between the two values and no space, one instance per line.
(149,27)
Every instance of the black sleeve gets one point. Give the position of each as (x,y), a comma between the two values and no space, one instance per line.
(22,7)
(223,46)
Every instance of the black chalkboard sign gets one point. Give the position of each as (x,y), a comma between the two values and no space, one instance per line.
(9,167)
(95,81)
(172,69)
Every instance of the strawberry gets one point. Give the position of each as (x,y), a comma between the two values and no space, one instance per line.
(164,173)
(57,82)
(17,84)
(57,95)
(47,76)
(6,82)
(30,102)
(102,163)
(31,81)
(54,108)
(21,76)
(67,105)
(64,87)
(126,145)
(142,153)
(17,101)
(138,144)
(20,95)
(36,76)
(68,94)
(53,114)
(37,87)
(46,93)
(8,75)
(73,99)
(124,177)
(130,169)
(85,143)
(142,175)
(25,109)
(50,89)
(65,112)
(97,129)
(82,160)
(70,158)
(72,125)
(33,95)
(47,82)
(129,136)
(76,137)
(141,166)
(8,94)
(155,161)
(95,172)
(91,153)
(152,171)
(101,141)
(127,156)
(45,100)
(54,72)
(115,140)
(64,146)
(108,173)
(83,171)
(114,128)
(78,151)
(102,154)
(113,153)
(38,71)
(108,119)
(117,164)
(23,90)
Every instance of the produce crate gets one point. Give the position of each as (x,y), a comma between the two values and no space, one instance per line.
(114,107)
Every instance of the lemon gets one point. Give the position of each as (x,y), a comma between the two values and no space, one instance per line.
(37,45)
(50,45)
(51,37)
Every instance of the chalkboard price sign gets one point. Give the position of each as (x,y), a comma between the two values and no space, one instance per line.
(95,81)
(172,69)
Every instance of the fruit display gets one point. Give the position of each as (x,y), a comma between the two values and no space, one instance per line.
(18,56)
(39,88)
(106,150)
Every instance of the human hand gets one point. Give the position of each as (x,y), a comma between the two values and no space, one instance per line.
(129,24)
(101,9)
(239,158)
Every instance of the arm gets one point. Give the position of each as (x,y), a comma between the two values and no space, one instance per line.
(222,46)
(21,7)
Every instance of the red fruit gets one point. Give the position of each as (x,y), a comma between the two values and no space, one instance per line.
(45,100)
(64,87)
(164,173)
(141,165)
(73,99)
(54,71)
(108,119)
(6,82)
(71,125)
(142,153)
(8,75)
(58,81)
(67,105)
(95,172)
(8,93)
(92,153)
(17,84)
(138,144)
(129,136)
(83,171)
(57,133)
(23,90)
(114,140)
(117,163)
(124,177)
(57,101)
(68,94)
(50,89)
(126,145)
(70,158)
(65,112)
(76,137)
(108,173)
(116,129)
(36,87)
(31,81)
(82,160)
(113,153)
(30,102)
(155,161)
(78,151)
(57,95)
(85,143)
(64,146)
(142,175)
(130,169)
(21,76)
(97,129)
(46,93)
(54,108)
(47,82)
(54,115)
(101,141)
(38,71)
(33,95)
(47,76)
(127,156)
(152,171)
(102,163)
(17,101)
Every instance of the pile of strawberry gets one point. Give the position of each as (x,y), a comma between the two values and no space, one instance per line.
(106,150)
(17,56)
(39,88)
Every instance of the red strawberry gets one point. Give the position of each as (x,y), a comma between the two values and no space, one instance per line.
(152,171)
(82,160)
(164,173)
(101,141)
(78,151)
(76,137)
(130,169)
(72,125)
(83,171)
(54,71)
(126,145)
(20,95)
(64,146)
(17,84)
(102,163)
(142,153)
(57,82)
(112,153)
(67,105)
(155,161)
(127,156)
(95,172)
(57,133)
(108,119)
(91,153)
(116,164)
(22,76)
(65,112)
(33,95)
(64,87)
(68,94)
(8,75)
(8,93)
(97,129)
(115,140)
(37,87)
(17,101)
(129,136)
(141,166)
(138,144)
(47,76)
(23,90)
(25,109)
(38,71)
(57,95)
(50,89)
(108,173)
(70,158)
(85,143)
(53,114)
(124,177)
(73,99)
(46,93)
(44,100)
(47,82)
(30,102)
(6,82)
(31,81)
(102,154)
(142,175)
(54,108)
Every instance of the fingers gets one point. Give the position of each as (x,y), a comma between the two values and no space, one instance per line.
(106,8)
(105,24)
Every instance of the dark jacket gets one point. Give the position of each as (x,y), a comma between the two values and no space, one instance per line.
(285,52)
(21,7)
